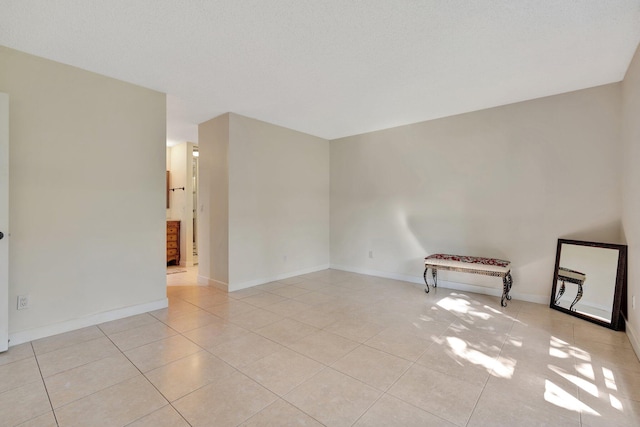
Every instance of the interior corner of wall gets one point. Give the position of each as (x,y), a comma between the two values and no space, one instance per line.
(217,284)
(634,337)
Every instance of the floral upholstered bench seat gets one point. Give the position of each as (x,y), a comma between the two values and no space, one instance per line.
(470,264)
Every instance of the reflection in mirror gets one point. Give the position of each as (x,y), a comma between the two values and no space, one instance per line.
(588,281)
(571,276)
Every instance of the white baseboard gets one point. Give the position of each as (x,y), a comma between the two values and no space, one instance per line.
(262,281)
(202,280)
(634,338)
(587,304)
(377,273)
(223,286)
(485,290)
(94,319)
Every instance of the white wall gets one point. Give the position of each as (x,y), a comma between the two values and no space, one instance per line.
(278,202)
(213,201)
(505,182)
(87,196)
(631,192)
(265,192)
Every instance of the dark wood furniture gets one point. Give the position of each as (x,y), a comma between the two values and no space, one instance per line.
(173,242)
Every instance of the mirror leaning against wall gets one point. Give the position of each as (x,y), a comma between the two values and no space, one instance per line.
(589,281)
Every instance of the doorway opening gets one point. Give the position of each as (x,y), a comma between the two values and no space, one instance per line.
(182,212)
(194,177)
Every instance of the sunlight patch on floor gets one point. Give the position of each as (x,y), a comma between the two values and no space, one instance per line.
(457,305)
(560,398)
(503,367)
(559,348)
(585,385)
(609,381)
(461,349)
(462,306)
(586,370)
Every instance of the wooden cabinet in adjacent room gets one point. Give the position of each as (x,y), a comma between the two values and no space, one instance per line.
(173,242)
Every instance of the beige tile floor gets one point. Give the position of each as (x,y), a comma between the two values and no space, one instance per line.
(328,348)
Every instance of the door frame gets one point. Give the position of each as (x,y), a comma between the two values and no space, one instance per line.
(4,221)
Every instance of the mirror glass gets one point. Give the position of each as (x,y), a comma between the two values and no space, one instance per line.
(588,280)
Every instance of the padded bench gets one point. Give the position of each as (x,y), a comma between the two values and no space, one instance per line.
(470,264)
(571,276)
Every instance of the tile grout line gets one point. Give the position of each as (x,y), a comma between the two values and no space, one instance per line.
(484,386)
(575,367)
(205,385)
(503,342)
(150,342)
(73,344)
(412,363)
(98,391)
(324,366)
(44,383)
(146,379)
(386,391)
(127,379)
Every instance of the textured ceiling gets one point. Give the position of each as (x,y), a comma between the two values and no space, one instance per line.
(333,68)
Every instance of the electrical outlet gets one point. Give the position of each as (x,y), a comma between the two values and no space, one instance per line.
(370,254)
(633,302)
(23,302)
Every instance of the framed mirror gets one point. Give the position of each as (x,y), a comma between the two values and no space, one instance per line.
(589,281)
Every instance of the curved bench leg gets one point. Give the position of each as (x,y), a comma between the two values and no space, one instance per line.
(510,283)
(434,273)
(578,296)
(560,293)
(505,291)
(426,289)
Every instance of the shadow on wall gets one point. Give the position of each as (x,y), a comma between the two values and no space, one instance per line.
(479,235)
(475,235)
(605,233)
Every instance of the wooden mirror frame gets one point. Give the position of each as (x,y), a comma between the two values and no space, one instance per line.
(617,319)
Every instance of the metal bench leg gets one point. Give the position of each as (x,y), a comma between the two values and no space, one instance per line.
(578,296)
(510,283)
(560,293)
(434,273)
(505,291)
(426,289)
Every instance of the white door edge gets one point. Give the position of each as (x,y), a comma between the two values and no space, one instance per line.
(4,221)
